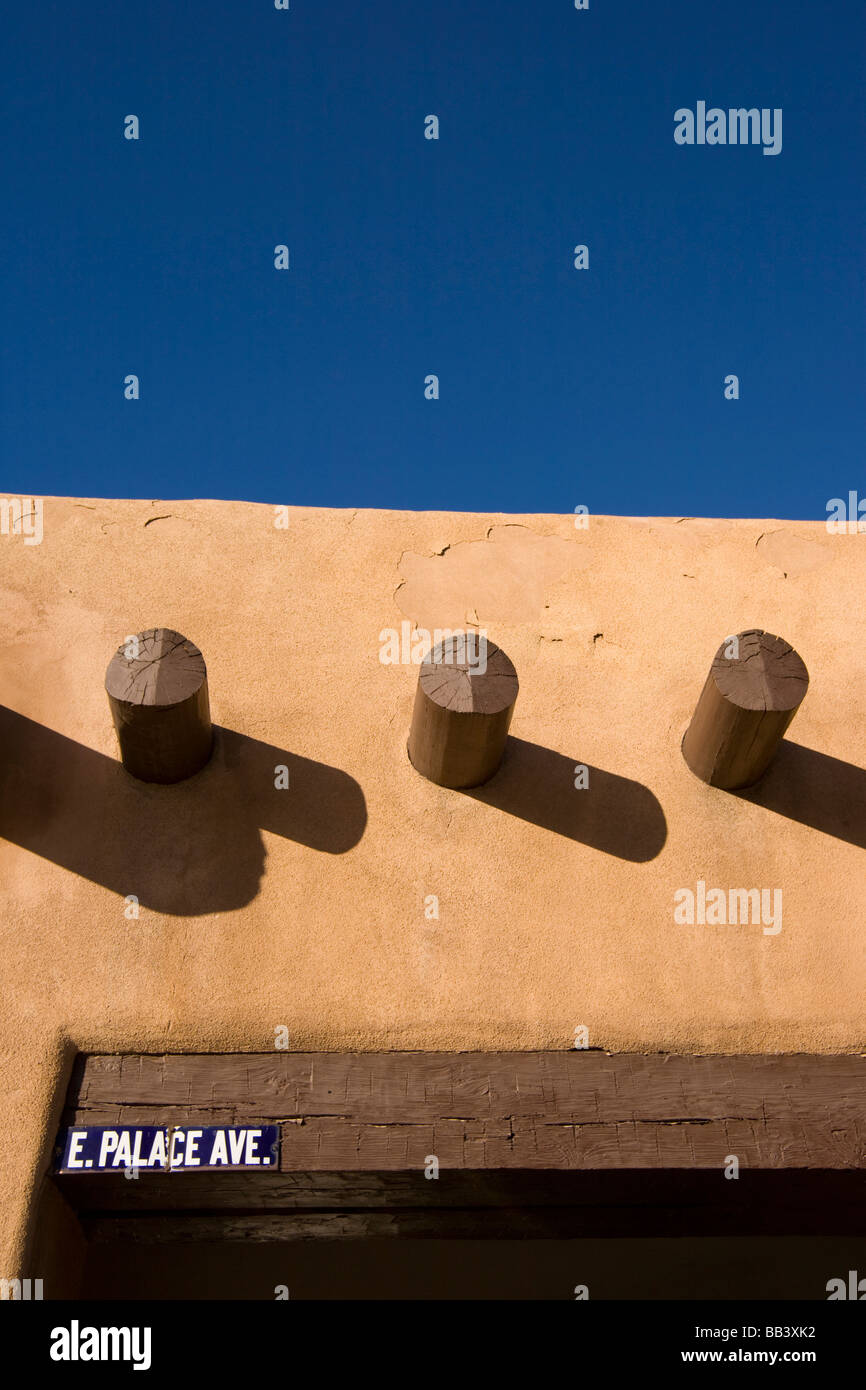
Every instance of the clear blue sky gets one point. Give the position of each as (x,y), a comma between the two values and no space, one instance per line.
(409,257)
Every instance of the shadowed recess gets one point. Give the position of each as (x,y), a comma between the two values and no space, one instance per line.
(189,849)
(613,814)
(824,793)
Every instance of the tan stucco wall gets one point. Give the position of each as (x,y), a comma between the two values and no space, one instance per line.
(314,897)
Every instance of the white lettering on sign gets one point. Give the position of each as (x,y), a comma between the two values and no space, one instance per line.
(191,1157)
(73,1160)
(108,1145)
(157,1152)
(133,1149)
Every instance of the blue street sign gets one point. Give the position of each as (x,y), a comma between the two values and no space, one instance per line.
(149,1148)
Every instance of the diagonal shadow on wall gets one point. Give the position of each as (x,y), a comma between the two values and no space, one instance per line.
(613,814)
(188,849)
(810,787)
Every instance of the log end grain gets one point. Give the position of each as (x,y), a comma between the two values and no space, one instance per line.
(755,686)
(463,707)
(157,689)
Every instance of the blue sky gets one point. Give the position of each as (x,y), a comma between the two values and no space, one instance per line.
(408,256)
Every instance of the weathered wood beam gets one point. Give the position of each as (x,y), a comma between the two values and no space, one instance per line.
(755,687)
(500,1110)
(529,1145)
(676,1213)
(478,1188)
(157,690)
(464,701)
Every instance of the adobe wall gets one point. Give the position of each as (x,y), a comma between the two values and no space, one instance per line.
(306,907)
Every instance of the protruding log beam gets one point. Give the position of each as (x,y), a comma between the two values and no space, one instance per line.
(463,706)
(755,687)
(157,689)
